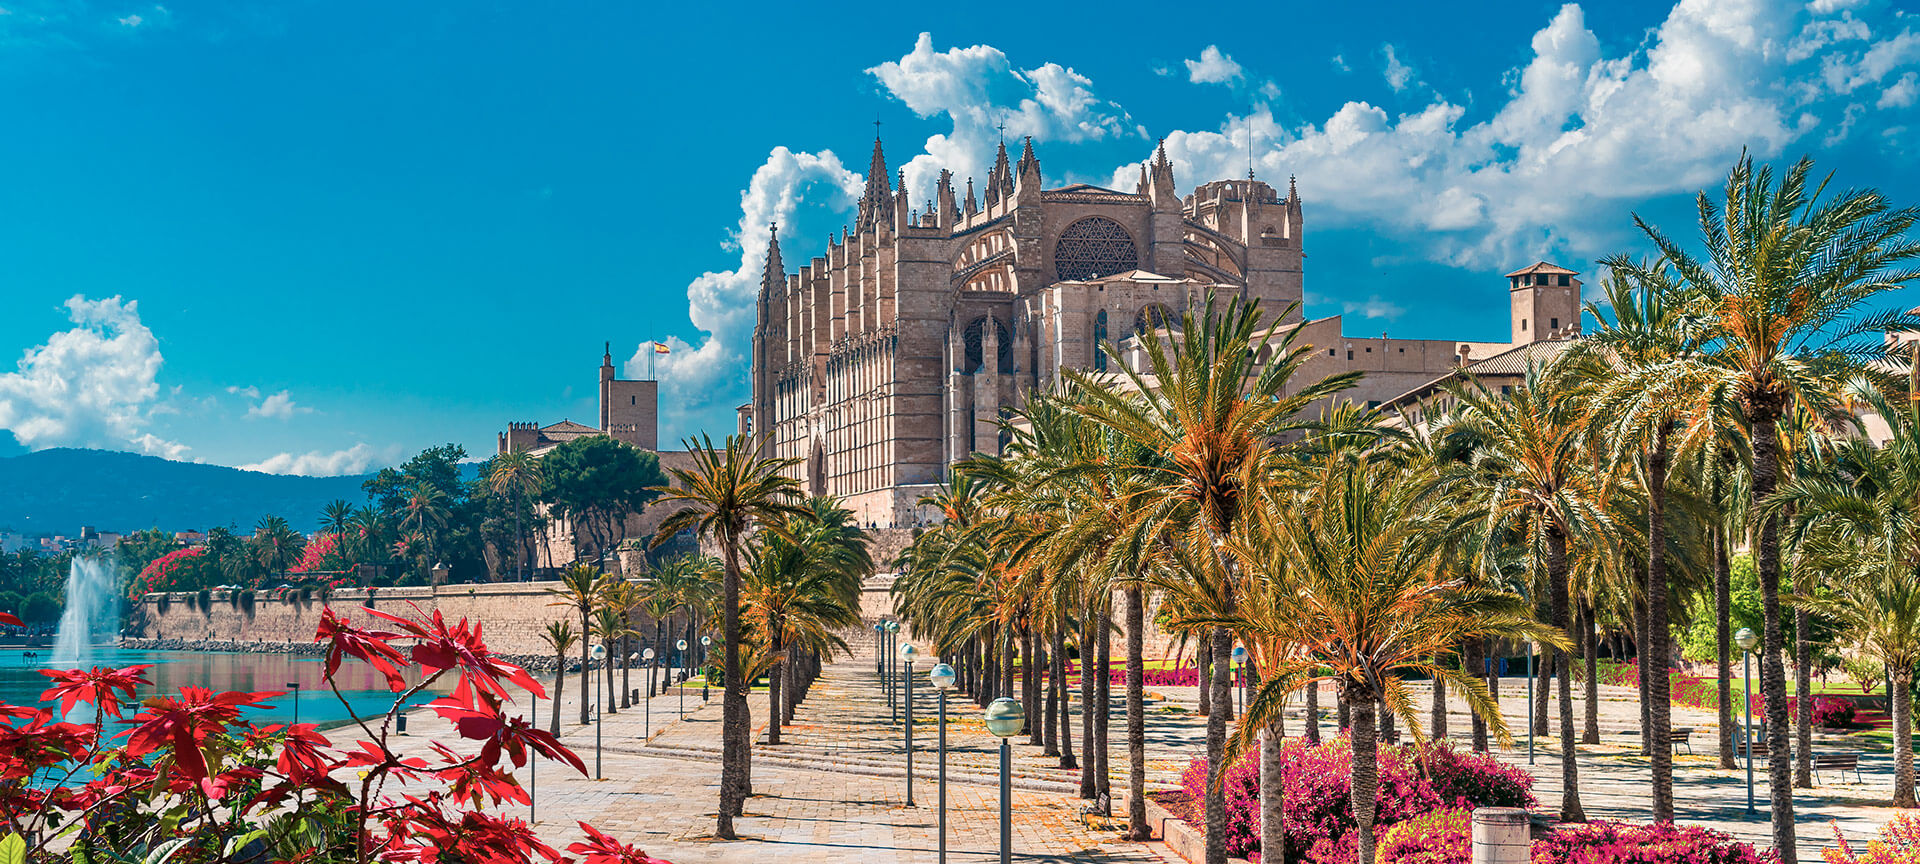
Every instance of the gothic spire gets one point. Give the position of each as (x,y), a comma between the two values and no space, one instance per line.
(972,207)
(877,204)
(775,272)
(1000,179)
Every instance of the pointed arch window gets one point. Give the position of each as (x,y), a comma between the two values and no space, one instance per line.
(1099,341)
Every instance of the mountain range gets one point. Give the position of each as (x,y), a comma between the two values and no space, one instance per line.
(59,490)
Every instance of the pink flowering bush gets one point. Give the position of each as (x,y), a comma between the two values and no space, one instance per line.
(1440,837)
(324,554)
(1604,842)
(187,569)
(1899,843)
(1832,713)
(1316,793)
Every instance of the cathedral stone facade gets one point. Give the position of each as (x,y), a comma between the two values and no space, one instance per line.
(893,354)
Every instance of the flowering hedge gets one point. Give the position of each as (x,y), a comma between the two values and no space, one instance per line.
(191,780)
(187,569)
(1440,837)
(1692,691)
(324,554)
(1898,843)
(1829,712)
(1604,842)
(1316,792)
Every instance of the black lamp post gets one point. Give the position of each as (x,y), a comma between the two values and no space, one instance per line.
(1746,640)
(942,677)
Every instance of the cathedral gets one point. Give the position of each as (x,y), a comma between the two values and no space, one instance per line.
(890,356)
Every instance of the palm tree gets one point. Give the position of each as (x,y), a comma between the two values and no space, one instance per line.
(1532,477)
(1785,276)
(364,536)
(560,636)
(276,546)
(518,473)
(721,497)
(579,590)
(1213,411)
(1349,576)
(337,519)
(425,513)
(802,587)
(610,627)
(1860,515)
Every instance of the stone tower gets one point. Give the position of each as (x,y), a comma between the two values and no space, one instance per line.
(1546,302)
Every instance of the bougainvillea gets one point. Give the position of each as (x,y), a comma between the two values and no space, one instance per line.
(1316,793)
(189,569)
(324,554)
(1603,842)
(1440,837)
(1830,712)
(1898,843)
(194,780)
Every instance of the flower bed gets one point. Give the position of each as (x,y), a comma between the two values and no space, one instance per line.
(1603,842)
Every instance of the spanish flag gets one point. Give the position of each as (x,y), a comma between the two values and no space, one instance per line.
(661,348)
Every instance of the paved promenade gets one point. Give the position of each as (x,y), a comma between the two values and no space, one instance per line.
(835,789)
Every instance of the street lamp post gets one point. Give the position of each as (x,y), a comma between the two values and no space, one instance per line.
(646,734)
(942,678)
(599,722)
(1746,640)
(295,685)
(907,653)
(706,643)
(1529,710)
(681,646)
(1004,719)
(1240,660)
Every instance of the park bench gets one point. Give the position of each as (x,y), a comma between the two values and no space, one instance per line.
(1681,737)
(1097,815)
(1836,762)
(1759,749)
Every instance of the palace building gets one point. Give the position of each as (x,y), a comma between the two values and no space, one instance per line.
(882,361)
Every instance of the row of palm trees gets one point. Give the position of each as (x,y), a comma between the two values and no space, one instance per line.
(785,586)
(1713,407)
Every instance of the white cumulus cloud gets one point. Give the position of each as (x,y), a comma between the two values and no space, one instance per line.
(90,386)
(1213,67)
(358,459)
(1398,74)
(980,89)
(712,374)
(1579,137)
(277,406)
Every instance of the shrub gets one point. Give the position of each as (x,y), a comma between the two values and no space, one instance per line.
(180,570)
(1604,842)
(1317,788)
(1830,712)
(1440,837)
(1899,843)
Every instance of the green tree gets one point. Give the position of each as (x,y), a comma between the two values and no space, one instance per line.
(579,590)
(1786,274)
(560,636)
(721,497)
(802,585)
(40,607)
(516,475)
(276,546)
(598,481)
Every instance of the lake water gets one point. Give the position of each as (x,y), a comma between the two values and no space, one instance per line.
(364,689)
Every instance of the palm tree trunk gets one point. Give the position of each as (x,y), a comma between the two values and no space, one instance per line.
(1802,680)
(1901,694)
(1050,739)
(559,689)
(774,689)
(586,670)
(626,670)
(1773,674)
(1365,785)
(1089,762)
(1723,637)
(1591,735)
(1542,685)
(1030,686)
(1216,846)
(1474,655)
(1438,719)
(1658,692)
(1137,829)
(1102,719)
(607,664)
(1273,821)
(1203,665)
(1344,711)
(1643,650)
(1311,728)
(1067,760)
(733,698)
(1570,809)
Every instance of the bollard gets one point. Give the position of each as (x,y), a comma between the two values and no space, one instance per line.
(1501,835)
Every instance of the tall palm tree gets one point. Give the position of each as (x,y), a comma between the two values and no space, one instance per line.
(610,627)
(579,590)
(1213,410)
(802,587)
(1533,478)
(517,473)
(424,512)
(560,636)
(1348,574)
(1786,274)
(276,546)
(366,536)
(1860,516)
(721,497)
(337,519)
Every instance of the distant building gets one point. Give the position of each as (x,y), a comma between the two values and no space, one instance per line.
(629,411)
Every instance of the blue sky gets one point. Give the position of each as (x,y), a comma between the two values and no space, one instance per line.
(338,233)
